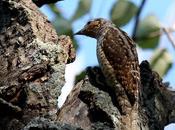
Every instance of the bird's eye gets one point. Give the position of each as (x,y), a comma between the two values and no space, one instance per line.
(89,22)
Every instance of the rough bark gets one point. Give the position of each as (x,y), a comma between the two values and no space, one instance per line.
(32,65)
(91,104)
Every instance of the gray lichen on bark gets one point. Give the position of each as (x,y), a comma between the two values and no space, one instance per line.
(32,66)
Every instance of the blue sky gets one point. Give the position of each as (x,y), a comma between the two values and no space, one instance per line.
(86,55)
(87,51)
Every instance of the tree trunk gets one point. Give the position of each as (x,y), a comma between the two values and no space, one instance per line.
(32,65)
(91,104)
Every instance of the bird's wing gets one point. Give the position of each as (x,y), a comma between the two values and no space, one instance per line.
(120,51)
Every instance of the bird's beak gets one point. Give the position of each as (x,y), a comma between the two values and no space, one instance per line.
(79,32)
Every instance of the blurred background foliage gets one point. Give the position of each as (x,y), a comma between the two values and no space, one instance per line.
(146,31)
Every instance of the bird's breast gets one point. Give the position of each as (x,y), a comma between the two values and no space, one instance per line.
(104,64)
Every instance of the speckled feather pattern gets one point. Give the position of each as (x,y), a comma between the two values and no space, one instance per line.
(118,60)
(117,57)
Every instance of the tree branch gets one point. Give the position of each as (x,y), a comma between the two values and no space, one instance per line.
(137,19)
(169,36)
(40,3)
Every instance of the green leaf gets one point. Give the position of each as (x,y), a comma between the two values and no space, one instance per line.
(80,76)
(148,33)
(161,61)
(63,26)
(122,12)
(75,43)
(54,9)
(83,8)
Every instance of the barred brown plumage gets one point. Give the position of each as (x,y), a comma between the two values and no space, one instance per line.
(118,60)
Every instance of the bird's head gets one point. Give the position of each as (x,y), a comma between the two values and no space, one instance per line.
(94,27)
